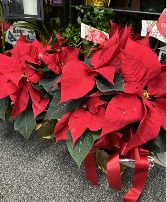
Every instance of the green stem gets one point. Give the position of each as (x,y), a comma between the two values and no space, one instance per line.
(79,43)
(3,30)
(89,52)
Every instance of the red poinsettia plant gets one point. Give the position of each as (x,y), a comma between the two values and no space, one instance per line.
(114,101)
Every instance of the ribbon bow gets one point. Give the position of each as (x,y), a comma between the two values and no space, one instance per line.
(114,141)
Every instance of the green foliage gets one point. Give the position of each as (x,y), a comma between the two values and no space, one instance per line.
(44,30)
(25,123)
(72,34)
(157,145)
(81,148)
(97,18)
(47,84)
(4,103)
(105,86)
(56,111)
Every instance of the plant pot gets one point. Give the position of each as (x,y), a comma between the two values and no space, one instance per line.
(57,1)
(45,128)
(161,159)
(98,3)
(101,160)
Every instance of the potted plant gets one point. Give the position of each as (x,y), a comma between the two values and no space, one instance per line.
(115,103)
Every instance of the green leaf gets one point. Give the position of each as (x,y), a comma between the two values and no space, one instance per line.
(48,82)
(25,123)
(44,69)
(28,25)
(4,105)
(56,111)
(160,141)
(55,23)
(157,145)
(96,135)
(105,86)
(81,148)
(79,19)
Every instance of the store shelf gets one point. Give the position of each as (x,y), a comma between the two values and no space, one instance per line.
(122,10)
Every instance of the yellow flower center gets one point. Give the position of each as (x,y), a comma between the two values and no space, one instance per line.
(23,75)
(146,94)
(84,106)
(61,64)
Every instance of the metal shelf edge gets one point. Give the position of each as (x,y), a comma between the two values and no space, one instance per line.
(121,10)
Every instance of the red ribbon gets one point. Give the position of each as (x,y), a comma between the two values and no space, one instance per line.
(115,142)
(141,170)
(90,167)
(113,171)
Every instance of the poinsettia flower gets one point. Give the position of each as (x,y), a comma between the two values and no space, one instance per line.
(154,100)
(76,80)
(107,60)
(17,81)
(88,116)
(29,52)
(125,33)
(141,70)
(139,66)
(21,97)
(62,56)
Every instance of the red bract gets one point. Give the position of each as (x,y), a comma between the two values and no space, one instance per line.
(39,103)
(141,71)
(62,127)
(122,110)
(17,81)
(27,52)
(88,116)
(6,26)
(76,81)
(139,66)
(62,56)
(21,97)
(107,60)
(124,33)
(103,60)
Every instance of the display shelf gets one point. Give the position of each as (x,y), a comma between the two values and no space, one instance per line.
(68,6)
(56,5)
(63,7)
(122,10)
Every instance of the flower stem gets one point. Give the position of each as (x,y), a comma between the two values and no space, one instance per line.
(89,52)
(3,30)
